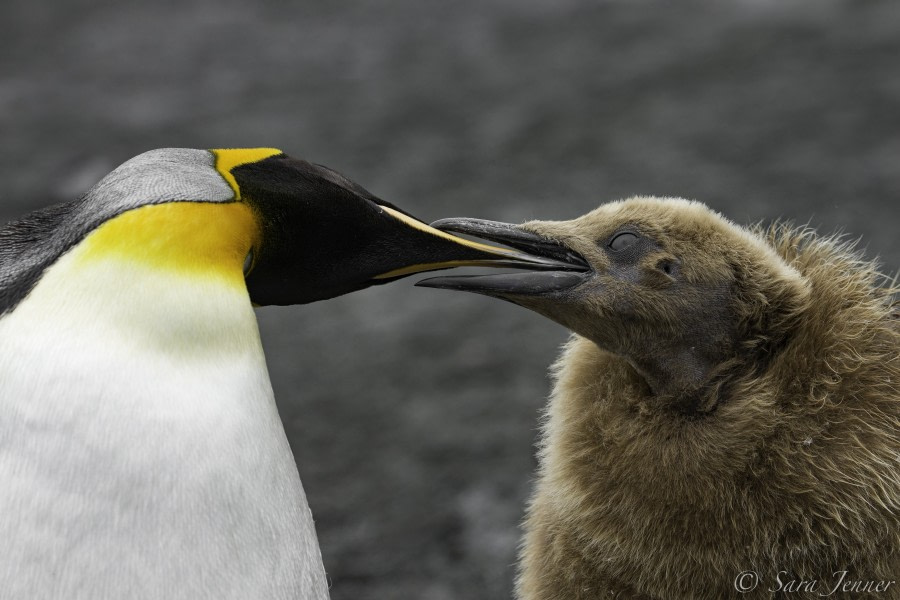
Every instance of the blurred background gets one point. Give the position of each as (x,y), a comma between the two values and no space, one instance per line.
(412,412)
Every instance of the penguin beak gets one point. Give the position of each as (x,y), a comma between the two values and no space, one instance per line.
(322,235)
(370,243)
(570,269)
(440,249)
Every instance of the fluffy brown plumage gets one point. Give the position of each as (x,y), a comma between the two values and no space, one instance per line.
(730,401)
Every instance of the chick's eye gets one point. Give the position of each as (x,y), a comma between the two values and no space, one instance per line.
(623,241)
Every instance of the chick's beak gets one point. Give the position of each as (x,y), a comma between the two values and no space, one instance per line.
(560,267)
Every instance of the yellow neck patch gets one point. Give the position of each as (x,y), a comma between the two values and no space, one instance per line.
(229,158)
(195,239)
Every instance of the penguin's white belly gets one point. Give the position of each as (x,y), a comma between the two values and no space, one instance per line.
(141,452)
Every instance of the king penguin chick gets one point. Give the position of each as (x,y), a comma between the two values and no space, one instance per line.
(141,452)
(725,420)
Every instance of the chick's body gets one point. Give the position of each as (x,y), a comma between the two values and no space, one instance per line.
(794,475)
(725,422)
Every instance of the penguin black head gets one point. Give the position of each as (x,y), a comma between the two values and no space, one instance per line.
(299,232)
(672,287)
(348,238)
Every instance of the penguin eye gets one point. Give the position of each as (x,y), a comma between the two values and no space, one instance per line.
(248,263)
(622,241)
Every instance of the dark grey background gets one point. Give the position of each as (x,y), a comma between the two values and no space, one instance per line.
(413,412)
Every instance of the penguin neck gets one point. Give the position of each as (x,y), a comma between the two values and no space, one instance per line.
(681,370)
(676,374)
(131,304)
(165,278)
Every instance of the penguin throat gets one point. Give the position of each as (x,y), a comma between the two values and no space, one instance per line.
(193,239)
(687,379)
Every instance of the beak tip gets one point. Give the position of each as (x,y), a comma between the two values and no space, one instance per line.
(431,282)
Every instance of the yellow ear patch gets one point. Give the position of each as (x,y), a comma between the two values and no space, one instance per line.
(229,158)
(195,239)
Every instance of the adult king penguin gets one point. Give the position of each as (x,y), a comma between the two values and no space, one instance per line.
(725,420)
(141,453)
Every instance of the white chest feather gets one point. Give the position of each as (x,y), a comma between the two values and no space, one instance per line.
(141,453)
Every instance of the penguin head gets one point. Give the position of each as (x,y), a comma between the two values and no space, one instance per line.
(322,235)
(291,231)
(677,290)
